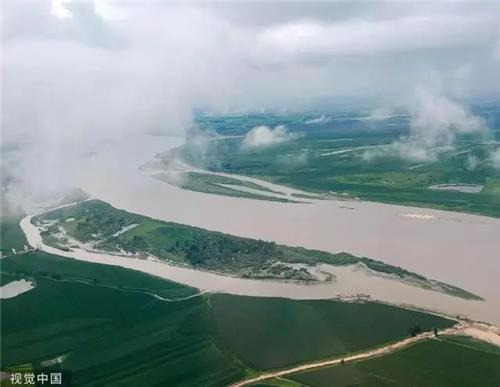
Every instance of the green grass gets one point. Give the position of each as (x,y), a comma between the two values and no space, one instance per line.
(272,332)
(97,221)
(449,362)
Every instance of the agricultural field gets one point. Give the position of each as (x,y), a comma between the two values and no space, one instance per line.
(270,333)
(114,326)
(97,225)
(110,328)
(449,361)
(354,158)
(11,235)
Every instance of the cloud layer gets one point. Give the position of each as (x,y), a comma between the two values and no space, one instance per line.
(76,74)
(495,158)
(261,136)
(435,123)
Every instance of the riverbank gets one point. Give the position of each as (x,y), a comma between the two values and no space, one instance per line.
(351,282)
(460,249)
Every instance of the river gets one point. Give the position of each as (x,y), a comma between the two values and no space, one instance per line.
(459,249)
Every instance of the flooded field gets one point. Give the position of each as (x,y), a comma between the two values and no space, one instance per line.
(466,188)
(456,248)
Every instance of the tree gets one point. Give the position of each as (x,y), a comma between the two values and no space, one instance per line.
(415,330)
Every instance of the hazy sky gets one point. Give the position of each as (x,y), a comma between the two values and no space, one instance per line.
(70,68)
(77,73)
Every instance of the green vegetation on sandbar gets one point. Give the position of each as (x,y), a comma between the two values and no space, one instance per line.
(110,229)
(355,159)
(271,332)
(447,362)
(114,331)
(220,185)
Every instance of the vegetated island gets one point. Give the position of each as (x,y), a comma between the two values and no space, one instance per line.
(97,226)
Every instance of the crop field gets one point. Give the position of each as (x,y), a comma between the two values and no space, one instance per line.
(106,326)
(448,362)
(113,326)
(50,266)
(11,235)
(350,158)
(110,229)
(104,332)
(272,332)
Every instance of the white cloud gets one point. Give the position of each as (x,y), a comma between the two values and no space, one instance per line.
(60,10)
(107,10)
(294,159)
(310,40)
(495,158)
(437,119)
(265,136)
(471,162)
(435,123)
(77,73)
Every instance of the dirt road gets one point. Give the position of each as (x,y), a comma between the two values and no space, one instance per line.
(462,328)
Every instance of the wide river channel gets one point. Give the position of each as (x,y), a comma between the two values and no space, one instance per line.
(459,249)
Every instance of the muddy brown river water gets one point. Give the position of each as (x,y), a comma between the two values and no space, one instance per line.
(459,249)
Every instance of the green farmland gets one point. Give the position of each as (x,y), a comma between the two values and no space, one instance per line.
(108,327)
(275,334)
(447,362)
(112,326)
